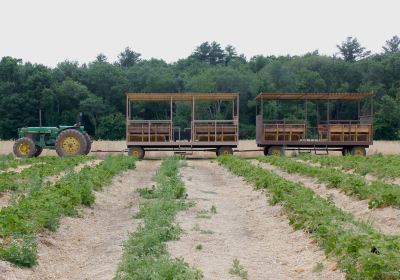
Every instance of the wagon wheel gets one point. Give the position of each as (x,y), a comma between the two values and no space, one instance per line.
(266,148)
(224,151)
(38,151)
(136,151)
(24,147)
(358,151)
(71,142)
(276,151)
(88,142)
(345,151)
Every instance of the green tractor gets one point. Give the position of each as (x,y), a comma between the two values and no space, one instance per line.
(66,140)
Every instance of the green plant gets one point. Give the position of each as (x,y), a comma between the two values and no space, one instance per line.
(213,209)
(145,254)
(361,251)
(42,208)
(379,193)
(238,269)
(199,247)
(319,266)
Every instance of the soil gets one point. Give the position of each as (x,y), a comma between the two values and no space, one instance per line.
(89,246)
(245,227)
(386,219)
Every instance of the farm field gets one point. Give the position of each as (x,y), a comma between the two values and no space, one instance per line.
(115,217)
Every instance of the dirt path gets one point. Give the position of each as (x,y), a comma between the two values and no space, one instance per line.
(90,247)
(245,227)
(386,219)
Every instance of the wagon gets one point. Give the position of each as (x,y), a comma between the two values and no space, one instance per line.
(325,131)
(163,133)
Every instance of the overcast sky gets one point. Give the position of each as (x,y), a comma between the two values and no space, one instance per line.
(51,31)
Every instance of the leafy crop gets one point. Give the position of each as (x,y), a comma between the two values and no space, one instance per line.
(42,208)
(379,193)
(378,165)
(43,167)
(145,253)
(362,252)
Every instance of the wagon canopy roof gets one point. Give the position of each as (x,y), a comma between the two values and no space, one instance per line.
(217,96)
(314,96)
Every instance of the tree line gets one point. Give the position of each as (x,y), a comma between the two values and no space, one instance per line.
(98,88)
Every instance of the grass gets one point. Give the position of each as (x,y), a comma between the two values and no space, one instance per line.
(380,166)
(238,269)
(42,208)
(379,193)
(145,253)
(361,251)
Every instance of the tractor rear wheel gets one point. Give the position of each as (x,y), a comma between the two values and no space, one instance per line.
(71,142)
(224,151)
(88,142)
(38,151)
(24,147)
(136,151)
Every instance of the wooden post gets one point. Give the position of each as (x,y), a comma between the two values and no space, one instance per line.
(305,118)
(192,125)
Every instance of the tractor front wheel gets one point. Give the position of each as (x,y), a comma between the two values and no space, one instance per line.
(71,142)
(136,151)
(24,147)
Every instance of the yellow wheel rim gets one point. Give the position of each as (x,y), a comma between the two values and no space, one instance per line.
(358,152)
(71,145)
(276,152)
(135,153)
(24,148)
(225,153)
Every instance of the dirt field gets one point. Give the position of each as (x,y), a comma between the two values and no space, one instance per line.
(383,147)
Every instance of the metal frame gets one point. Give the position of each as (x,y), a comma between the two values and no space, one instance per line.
(212,136)
(350,133)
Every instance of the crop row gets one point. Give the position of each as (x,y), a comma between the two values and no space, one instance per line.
(42,208)
(377,165)
(34,175)
(145,253)
(361,251)
(379,193)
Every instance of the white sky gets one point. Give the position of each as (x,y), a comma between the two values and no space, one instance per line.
(51,31)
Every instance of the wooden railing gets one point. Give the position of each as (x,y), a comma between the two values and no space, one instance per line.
(215,131)
(284,130)
(345,132)
(149,131)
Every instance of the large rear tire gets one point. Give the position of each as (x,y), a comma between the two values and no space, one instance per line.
(136,151)
(71,142)
(88,142)
(24,148)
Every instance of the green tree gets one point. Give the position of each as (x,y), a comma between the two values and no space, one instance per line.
(111,127)
(392,45)
(93,107)
(128,58)
(351,50)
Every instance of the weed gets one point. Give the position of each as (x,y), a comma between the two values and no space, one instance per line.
(213,209)
(199,247)
(319,266)
(238,269)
